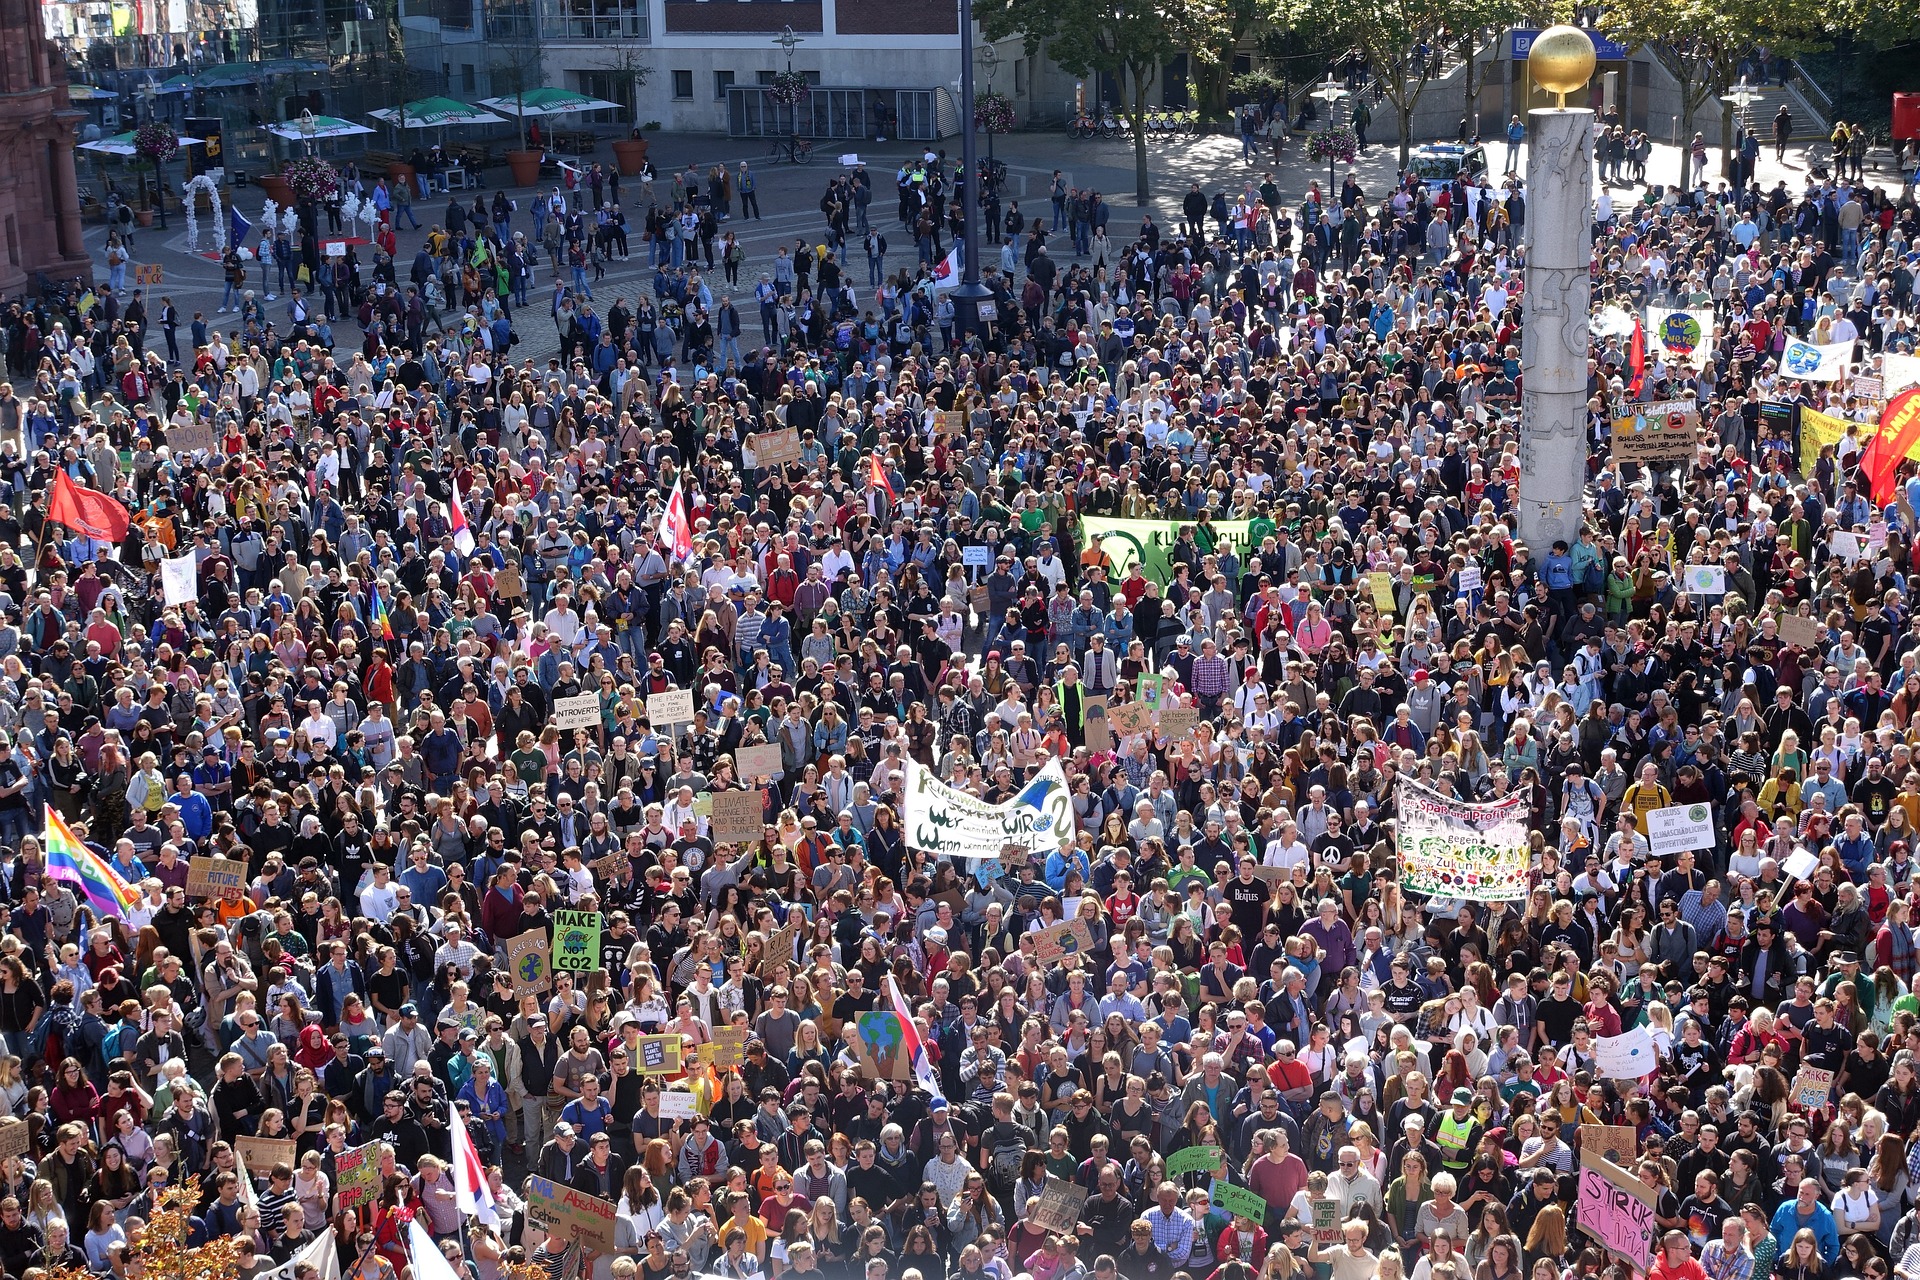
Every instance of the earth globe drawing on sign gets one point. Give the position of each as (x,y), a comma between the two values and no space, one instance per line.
(880,1042)
(532,968)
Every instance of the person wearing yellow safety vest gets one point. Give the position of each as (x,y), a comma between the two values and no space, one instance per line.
(1458,1134)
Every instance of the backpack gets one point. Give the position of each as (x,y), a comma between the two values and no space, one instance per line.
(1006,1148)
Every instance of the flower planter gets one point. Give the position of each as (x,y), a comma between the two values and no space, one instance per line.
(525,167)
(275,188)
(630,154)
(143,216)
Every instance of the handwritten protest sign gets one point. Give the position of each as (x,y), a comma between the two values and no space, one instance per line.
(658,1055)
(1813,1087)
(1068,938)
(738,816)
(879,1045)
(14,1138)
(575,1215)
(1239,1201)
(1129,717)
(1619,1143)
(356,1172)
(1616,1211)
(149,273)
(780,945)
(210,877)
(581,711)
(530,962)
(1326,1223)
(678,1104)
(261,1154)
(675,706)
(1059,1206)
(759,762)
(1802,633)
(1099,733)
(1193,1160)
(729,1046)
(1380,584)
(1624,1057)
(576,938)
(776,448)
(190,437)
(1178,722)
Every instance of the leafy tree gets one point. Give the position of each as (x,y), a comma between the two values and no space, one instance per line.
(1127,39)
(1701,44)
(1226,25)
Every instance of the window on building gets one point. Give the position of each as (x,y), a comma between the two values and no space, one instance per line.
(722,81)
(683,84)
(466,77)
(765,77)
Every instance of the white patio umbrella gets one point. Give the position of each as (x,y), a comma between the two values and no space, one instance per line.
(323,127)
(121,144)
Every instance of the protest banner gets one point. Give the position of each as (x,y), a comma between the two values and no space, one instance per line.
(1813,1087)
(1619,1143)
(574,1215)
(1129,717)
(607,867)
(1326,1223)
(149,273)
(1679,827)
(977,557)
(678,1104)
(1659,431)
(675,706)
(356,1175)
(1178,722)
(262,1154)
(1818,430)
(190,437)
(1703,580)
(1816,362)
(1627,1056)
(1801,632)
(1898,372)
(1059,1206)
(210,877)
(1380,584)
(1616,1211)
(179,579)
(1479,852)
(759,762)
(530,962)
(580,711)
(576,941)
(943,820)
(1148,542)
(14,1137)
(1068,938)
(878,1043)
(1242,1202)
(739,817)
(775,448)
(658,1055)
(1194,1160)
(1684,337)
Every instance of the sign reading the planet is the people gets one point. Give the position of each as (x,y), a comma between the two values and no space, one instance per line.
(675,706)
(530,961)
(576,941)
(878,1046)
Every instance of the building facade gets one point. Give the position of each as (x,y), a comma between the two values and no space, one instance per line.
(39,196)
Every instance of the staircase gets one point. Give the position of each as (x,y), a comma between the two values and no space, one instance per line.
(1809,122)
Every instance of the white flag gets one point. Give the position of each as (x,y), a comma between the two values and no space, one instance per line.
(1811,362)
(179,579)
(947,274)
(428,1262)
(470,1189)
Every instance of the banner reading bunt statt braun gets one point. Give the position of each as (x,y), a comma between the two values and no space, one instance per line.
(1449,849)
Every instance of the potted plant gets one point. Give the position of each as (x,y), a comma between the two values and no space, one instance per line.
(788,89)
(630,154)
(993,112)
(155,143)
(1342,145)
(310,180)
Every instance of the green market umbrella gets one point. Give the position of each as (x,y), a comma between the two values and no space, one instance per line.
(547,102)
(121,144)
(434,113)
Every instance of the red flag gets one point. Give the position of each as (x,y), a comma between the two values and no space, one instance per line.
(676,530)
(1899,434)
(877,478)
(1637,359)
(88,510)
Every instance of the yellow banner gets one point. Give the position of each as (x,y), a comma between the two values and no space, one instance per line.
(1818,430)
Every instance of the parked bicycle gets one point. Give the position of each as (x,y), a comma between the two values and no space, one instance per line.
(794,150)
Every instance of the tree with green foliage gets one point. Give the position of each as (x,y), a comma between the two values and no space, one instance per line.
(1702,42)
(1127,39)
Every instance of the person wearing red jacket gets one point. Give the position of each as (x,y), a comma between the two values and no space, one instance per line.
(1675,1261)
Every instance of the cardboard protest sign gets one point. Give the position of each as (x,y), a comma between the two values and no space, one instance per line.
(1326,1223)
(738,816)
(1618,1143)
(729,1046)
(209,877)
(1802,633)
(356,1173)
(780,945)
(658,1055)
(1058,1210)
(530,962)
(14,1138)
(1068,938)
(576,941)
(759,762)
(609,866)
(575,1215)
(776,448)
(191,437)
(675,706)
(1616,1211)
(878,1042)
(1193,1160)
(1178,722)
(1099,733)
(1129,717)
(1813,1087)
(149,273)
(581,711)
(261,1154)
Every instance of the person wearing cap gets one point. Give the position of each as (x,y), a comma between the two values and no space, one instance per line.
(1458,1133)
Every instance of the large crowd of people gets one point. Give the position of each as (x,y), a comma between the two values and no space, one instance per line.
(408,547)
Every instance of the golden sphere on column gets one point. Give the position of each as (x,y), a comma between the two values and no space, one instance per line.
(1561,60)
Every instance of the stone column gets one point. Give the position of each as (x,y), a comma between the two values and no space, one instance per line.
(1554,337)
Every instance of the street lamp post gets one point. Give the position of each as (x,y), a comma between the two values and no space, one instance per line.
(1330,92)
(970,293)
(786,40)
(989,60)
(1740,97)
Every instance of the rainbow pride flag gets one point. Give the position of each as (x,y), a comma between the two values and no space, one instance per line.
(377,613)
(85,870)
